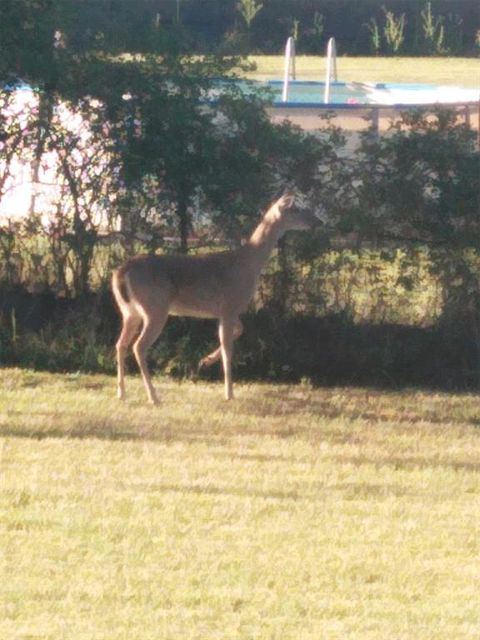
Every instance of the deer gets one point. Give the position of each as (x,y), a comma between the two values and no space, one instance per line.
(217,285)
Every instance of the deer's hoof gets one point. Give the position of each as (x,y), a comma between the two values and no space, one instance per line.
(204,362)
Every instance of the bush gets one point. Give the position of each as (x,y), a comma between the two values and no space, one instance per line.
(43,332)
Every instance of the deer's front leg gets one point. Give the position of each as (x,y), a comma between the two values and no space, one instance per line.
(226,335)
(215,356)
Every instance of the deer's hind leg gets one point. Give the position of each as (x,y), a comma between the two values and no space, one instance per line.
(130,328)
(152,327)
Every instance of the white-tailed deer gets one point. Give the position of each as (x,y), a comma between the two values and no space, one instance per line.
(218,285)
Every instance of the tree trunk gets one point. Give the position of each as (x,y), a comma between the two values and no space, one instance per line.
(45,111)
(183,224)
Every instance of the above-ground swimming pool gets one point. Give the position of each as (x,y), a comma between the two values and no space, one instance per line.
(306,93)
(358,105)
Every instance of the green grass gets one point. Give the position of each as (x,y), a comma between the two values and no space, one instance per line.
(290,513)
(463,72)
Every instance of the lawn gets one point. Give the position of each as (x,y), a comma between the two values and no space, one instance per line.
(291,513)
(464,72)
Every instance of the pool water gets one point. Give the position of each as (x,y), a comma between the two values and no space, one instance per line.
(312,92)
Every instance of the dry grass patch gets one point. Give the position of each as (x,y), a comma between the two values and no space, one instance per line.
(290,513)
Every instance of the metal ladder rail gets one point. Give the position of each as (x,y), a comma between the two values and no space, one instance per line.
(331,68)
(289,67)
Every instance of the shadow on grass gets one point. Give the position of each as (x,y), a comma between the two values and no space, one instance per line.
(408,413)
(228,492)
(223,444)
(408,463)
(347,491)
(290,408)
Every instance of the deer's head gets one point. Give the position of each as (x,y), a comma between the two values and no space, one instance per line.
(284,212)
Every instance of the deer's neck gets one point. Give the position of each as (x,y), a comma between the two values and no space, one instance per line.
(262,242)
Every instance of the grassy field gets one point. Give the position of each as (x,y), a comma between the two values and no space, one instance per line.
(463,72)
(291,513)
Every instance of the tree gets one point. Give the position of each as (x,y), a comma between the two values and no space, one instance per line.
(161,131)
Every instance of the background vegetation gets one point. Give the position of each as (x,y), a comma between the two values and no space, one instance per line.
(389,27)
(154,167)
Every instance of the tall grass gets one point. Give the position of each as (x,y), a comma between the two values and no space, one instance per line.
(291,513)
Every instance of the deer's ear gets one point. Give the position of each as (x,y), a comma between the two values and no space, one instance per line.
(286,201)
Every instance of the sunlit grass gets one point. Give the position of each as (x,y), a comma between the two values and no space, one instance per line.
(463,72)
(290,513)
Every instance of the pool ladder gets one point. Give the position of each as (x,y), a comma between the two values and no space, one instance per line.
(331,68)
(289,68)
